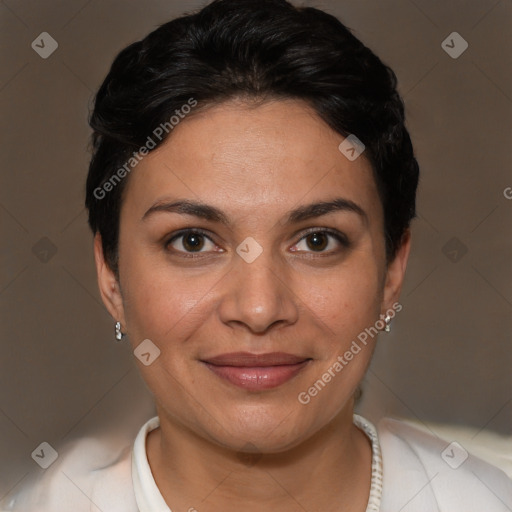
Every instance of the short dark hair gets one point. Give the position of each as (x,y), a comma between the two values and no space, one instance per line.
(261,50)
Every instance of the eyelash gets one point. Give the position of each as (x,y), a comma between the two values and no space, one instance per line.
(340,237)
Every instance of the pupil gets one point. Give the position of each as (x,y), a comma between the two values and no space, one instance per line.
(192,241)
(318,241)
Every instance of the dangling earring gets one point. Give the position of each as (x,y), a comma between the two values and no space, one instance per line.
(387,319)
(119,334)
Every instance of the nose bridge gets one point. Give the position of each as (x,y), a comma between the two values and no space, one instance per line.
(257,294)
(260,274)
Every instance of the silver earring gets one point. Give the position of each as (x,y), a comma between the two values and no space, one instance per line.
(387,319)
(119,334)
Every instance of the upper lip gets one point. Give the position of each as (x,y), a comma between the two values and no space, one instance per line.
(249,359)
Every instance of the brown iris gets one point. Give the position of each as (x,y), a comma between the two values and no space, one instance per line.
(193,241)
(317,241)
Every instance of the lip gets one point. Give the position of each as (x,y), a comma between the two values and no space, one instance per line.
(256,372)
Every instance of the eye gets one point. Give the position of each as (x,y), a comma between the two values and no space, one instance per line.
(191,241)
(318,240)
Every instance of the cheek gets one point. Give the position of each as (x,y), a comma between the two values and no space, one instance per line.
(161,304)
(347,304)
(346,300)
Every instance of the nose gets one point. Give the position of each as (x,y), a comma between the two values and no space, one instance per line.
(258,296)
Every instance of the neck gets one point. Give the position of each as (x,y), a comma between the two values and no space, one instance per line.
(331,471)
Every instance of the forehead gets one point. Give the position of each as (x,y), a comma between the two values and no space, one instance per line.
(244,157)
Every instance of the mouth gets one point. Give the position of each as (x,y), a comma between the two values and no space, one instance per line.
(256,372)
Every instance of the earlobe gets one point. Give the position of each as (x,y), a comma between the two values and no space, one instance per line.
(108,283)
(396,272)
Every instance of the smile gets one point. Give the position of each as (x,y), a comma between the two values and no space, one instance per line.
(256,372)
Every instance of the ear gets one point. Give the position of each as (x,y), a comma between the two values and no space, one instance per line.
(395,273)
(108,284)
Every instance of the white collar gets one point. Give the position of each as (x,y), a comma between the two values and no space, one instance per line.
(149,498)
(147,494)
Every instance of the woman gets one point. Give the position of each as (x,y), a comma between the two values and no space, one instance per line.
(251,192)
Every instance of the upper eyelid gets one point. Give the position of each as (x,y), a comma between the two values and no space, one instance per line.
(330,231)
(182,232)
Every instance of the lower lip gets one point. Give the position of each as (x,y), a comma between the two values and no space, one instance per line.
(257,378)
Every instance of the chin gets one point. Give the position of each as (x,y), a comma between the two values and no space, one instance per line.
(260,429)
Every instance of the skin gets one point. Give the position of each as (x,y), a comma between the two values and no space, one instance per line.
(255,163)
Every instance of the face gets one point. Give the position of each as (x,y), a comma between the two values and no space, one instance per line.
(252,254)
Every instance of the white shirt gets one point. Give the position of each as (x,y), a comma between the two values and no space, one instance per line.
(421,473)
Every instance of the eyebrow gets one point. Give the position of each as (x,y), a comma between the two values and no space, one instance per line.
(213,214)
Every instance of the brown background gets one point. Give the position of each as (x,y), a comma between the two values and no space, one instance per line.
(449,356)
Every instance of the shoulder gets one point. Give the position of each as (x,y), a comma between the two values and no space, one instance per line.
(88,473)
(422,472)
